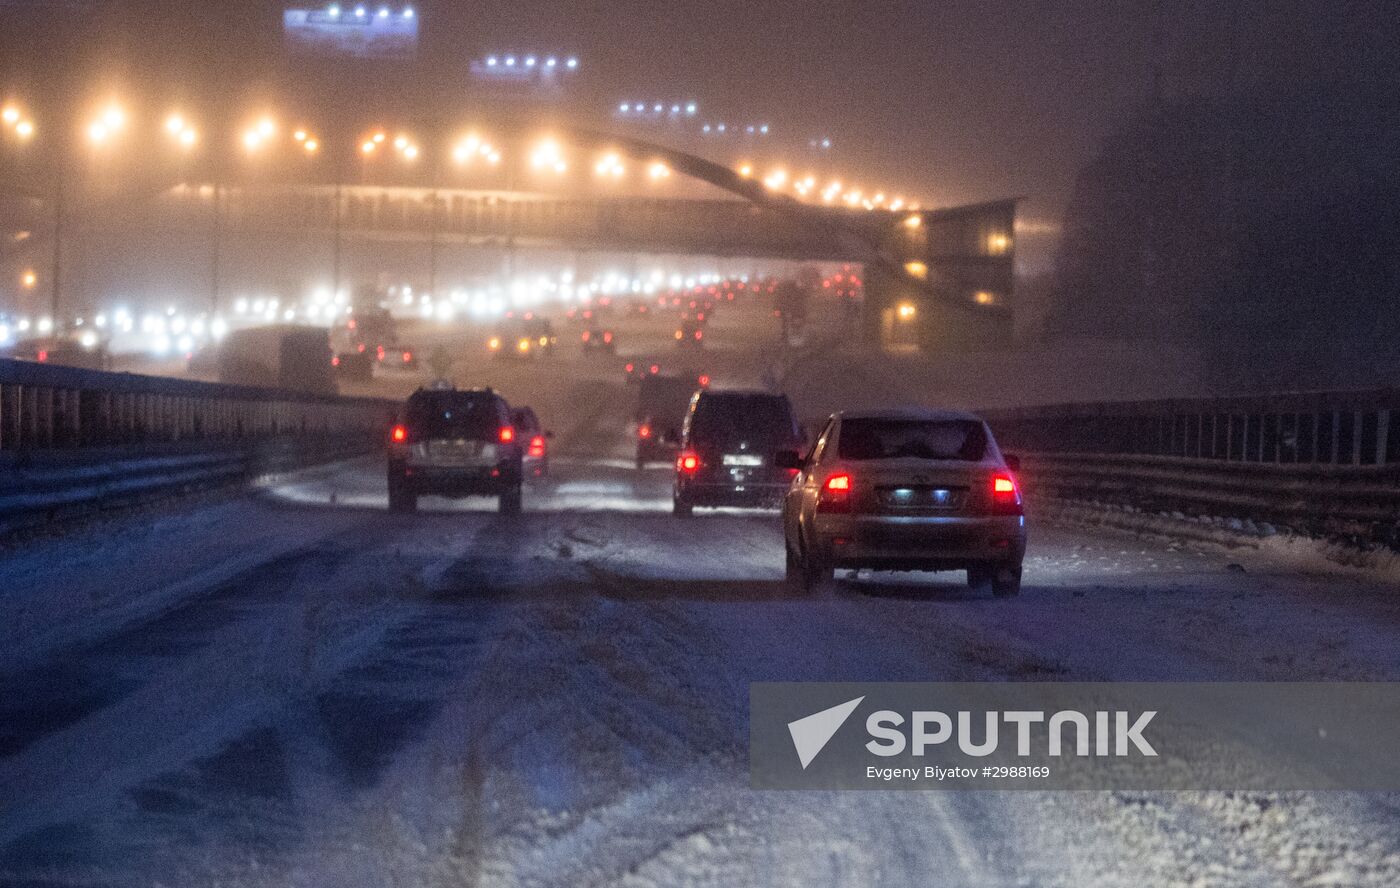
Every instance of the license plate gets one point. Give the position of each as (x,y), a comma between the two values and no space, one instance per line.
(742,459)
(921,497)
(453,452)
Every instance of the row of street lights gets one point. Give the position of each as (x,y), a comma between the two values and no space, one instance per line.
(547,156)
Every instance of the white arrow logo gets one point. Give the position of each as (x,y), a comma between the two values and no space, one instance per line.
(813,732)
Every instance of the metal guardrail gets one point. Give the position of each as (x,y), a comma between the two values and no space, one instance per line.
(1325,463)
(71,439)
(1357,428)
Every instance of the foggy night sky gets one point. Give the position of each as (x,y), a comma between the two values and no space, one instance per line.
(954,101)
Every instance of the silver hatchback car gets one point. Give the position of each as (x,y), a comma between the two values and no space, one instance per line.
(905,490)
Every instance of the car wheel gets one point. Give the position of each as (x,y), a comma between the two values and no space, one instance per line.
(1006,581)
(511,501)
(681,507)
(793,575)
(400,499)
(818,575)
(979,579)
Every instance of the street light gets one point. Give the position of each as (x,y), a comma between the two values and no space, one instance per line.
(658,171)
(547,156)
(24,129)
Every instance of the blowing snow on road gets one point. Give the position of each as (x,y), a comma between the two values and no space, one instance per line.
(309,690)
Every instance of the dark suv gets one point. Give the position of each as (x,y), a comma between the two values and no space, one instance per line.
(454,443)
(729,445)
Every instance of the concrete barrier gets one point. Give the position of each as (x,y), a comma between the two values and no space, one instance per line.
(72,440)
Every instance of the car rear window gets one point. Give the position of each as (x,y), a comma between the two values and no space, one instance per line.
(454,415)
(758,419)
(947,439)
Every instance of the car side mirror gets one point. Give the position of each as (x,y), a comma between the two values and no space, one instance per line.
(787,459)
(1013,462)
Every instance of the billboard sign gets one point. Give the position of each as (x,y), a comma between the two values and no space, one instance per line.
(352,30)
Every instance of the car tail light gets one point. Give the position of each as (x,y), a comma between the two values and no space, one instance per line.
(587,335)
(699,334)
(1006,495)
(655,369)
(507,434)
(379,352)
(408,357)
(835,494)
(399,434)
(537,446)
(607,336)
(335,361)
(704,380)
(630,367)
(644,432)
(688,463)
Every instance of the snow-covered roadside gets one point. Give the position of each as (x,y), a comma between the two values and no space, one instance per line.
(1259,541)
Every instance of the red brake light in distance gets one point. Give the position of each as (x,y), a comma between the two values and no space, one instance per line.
(704,380)
(1006,496)
(507,434)
(835,494)
(408,357)
(688,462)
(644,432)
(537,445)
(399,434)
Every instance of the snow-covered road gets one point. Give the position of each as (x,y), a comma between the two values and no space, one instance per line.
(296,687)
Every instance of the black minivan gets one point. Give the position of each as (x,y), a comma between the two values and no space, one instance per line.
(729,443)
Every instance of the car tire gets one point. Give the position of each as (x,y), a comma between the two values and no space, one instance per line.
(979,579)
(1006,581)
(818,574)
(511,501)
(793,575)
(681,507)
(401,499)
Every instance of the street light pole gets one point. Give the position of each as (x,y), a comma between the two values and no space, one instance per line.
(56,290)
(215,238)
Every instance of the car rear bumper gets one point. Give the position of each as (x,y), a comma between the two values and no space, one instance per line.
(486,480)
(898,542)
(746,495)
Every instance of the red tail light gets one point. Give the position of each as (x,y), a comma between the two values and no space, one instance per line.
(1006,495)
(688,463)
(835,494)
(607,336)
(631,367)
(704,380)
(408,357)
(644,432)
(399,434)
(507,434)
(587,335)
(537,446)
(699,334)
(335,360)
(655,369)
